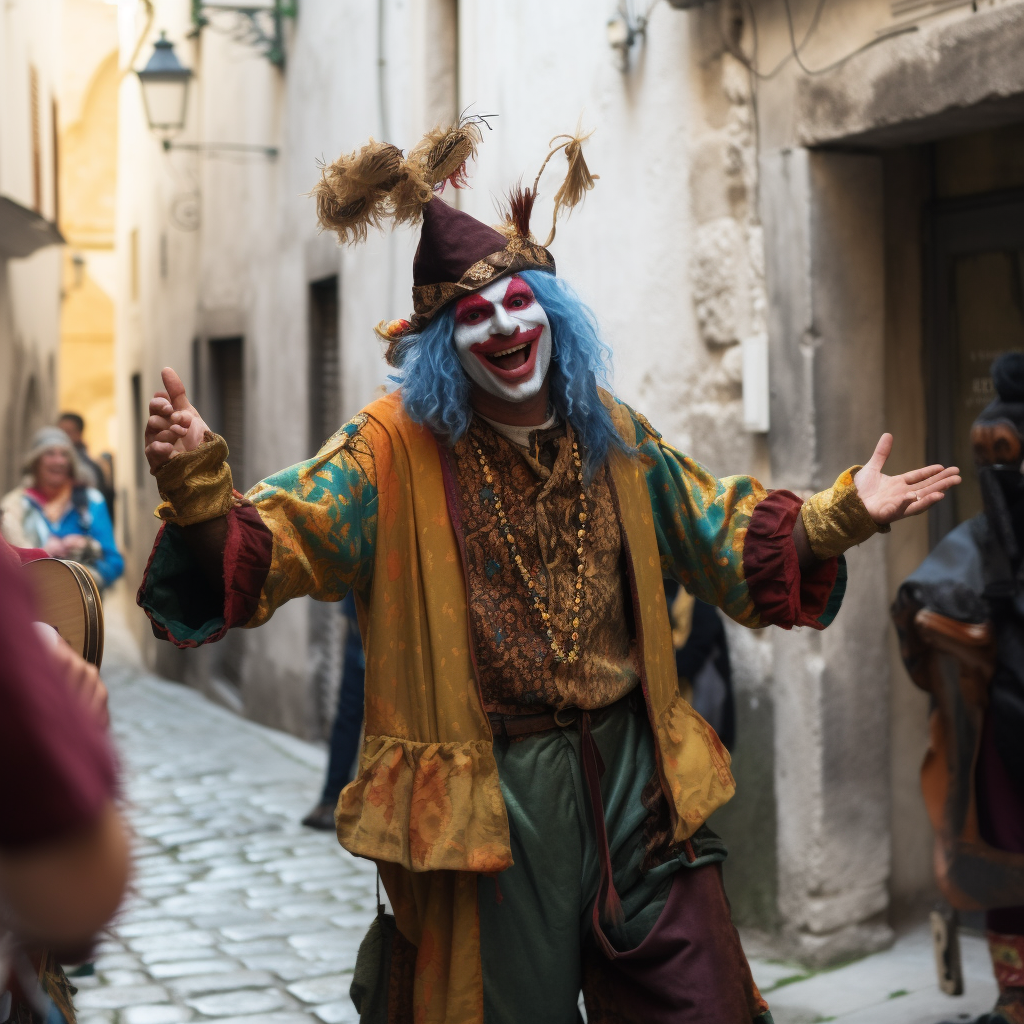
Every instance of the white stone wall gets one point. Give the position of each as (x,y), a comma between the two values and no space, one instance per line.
(712,228)
(29,287)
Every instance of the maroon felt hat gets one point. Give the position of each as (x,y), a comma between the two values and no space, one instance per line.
(459,254)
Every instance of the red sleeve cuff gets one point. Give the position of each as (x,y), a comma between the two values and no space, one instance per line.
(177,597)
(782,594)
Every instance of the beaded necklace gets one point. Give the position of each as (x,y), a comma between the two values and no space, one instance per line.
(561,655)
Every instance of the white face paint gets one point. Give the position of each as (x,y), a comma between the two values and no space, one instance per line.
(503,339)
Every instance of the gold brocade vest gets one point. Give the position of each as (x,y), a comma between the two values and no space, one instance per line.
(426,804)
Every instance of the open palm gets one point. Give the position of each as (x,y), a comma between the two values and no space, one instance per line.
(891,498)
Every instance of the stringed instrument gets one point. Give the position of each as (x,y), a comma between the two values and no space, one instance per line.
(67,598)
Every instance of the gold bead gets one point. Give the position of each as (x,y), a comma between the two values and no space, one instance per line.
(579,584)
(575,636)
(583,517)
(575,622)
(581,534)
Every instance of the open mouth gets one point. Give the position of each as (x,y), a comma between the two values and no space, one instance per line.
(511,357)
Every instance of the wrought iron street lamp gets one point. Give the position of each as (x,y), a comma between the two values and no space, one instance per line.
(164,84)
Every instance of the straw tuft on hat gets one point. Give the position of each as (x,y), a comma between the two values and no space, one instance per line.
(457,254)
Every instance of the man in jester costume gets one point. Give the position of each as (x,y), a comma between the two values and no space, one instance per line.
(532,786)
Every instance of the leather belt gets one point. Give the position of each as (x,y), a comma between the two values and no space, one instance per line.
(513,726)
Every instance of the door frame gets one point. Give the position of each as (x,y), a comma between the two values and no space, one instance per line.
(954,228)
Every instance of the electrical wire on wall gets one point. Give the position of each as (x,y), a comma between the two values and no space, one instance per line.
(750,61)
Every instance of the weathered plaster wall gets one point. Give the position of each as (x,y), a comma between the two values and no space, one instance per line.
(88,184)
(29,287)
(227,245)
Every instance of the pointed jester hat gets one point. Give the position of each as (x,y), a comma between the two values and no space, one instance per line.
(457,253)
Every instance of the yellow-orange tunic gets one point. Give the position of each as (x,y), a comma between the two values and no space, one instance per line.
(370,513)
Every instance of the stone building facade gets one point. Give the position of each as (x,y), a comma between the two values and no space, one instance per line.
(30,256)
(803,235)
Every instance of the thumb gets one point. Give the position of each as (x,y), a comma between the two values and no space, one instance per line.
(881,453)
(175,390)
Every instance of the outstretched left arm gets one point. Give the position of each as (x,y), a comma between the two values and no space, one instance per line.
(823,529)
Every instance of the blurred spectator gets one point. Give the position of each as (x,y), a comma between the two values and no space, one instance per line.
(56,509)
(702,661)
(348,722)
(101,473)
(64,851)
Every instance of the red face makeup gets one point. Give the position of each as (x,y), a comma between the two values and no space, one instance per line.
(503,339)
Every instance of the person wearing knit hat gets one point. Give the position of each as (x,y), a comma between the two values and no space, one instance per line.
(967,600)
(532,786)
(57,509)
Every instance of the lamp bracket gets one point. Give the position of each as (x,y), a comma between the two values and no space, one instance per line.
(270,152)
(257,25)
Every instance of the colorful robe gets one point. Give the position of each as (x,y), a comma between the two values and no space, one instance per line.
(373,513)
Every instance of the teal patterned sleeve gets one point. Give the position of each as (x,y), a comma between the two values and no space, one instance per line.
(729,541)
(322,515)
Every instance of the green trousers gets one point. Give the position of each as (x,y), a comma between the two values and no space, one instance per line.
(535,918)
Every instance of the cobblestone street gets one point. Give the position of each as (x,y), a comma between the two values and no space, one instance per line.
(237,912)
(240,914)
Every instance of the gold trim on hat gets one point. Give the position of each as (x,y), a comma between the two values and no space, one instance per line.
(519,254)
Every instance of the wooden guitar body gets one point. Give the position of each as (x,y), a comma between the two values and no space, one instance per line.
(68,599)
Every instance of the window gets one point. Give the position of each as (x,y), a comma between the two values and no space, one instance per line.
(138,431)
(976,313)
(324,361)
(227,401)
(133,268)
(37,142)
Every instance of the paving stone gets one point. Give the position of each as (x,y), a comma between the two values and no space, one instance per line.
(165,1013)
(224,918)
(270,929)
(255,947)
(325,989)
(237,1003)
(341,1012)
(287,967)
(151,926)
(307,908)
(114,997)
(228,982)
(117,962)
(115,977)
(190,940)
(181,968)
(283,1017)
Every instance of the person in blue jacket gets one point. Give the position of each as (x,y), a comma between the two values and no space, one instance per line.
(56,509)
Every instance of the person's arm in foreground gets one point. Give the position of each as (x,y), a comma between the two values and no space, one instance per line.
(64,852)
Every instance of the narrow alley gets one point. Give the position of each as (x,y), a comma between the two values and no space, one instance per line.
(239,914)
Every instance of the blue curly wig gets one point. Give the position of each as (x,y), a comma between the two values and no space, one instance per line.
(435,388)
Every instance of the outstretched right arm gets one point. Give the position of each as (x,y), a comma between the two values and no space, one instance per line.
(222,560)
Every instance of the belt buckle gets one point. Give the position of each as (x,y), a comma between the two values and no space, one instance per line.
(570,722)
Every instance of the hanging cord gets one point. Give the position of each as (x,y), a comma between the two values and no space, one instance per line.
(795,48)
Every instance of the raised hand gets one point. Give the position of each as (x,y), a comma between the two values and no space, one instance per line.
(174,425)
(890,498)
